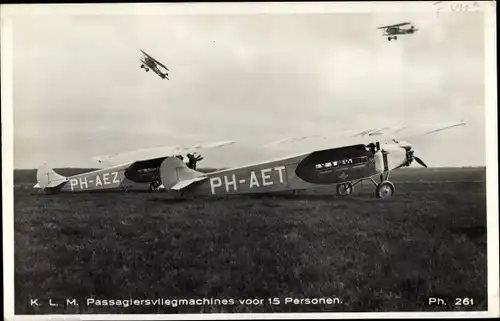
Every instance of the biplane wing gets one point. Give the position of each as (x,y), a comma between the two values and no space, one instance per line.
(156,61)
(158,152)
(381,134)
(395,25)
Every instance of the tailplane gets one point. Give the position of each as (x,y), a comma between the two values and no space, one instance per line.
(175,175)
(47,178)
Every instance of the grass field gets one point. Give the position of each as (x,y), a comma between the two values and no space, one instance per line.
(429,240)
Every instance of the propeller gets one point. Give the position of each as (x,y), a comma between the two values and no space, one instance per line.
(409,153)
(193,159)
(421,162)
(411,157)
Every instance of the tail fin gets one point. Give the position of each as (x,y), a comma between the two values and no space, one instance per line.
(175,175)
(47,178)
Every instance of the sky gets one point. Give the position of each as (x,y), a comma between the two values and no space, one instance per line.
(79,91)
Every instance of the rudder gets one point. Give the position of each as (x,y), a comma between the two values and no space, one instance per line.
(47,178)
(173,170)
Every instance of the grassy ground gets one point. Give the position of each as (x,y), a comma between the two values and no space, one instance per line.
(429,240)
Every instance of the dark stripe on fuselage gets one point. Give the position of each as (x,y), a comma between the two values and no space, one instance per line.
(337,165)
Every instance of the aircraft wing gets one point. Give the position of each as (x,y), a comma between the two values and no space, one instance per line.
(396,25)
(159,63)
(158,152)
(352,137)
(156,61)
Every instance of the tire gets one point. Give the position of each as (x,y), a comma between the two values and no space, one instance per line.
(385,190)
(345,189)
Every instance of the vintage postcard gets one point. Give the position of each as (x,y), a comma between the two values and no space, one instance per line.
(249,160)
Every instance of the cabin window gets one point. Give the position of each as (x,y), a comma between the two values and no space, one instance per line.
(342,162)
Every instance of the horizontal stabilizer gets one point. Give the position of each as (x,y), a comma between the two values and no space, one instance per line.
(47,178)
(187,182)
(176,175)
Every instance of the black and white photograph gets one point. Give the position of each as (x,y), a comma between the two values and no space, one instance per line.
(233,160)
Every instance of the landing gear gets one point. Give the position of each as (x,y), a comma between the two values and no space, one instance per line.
(395,38)
(345,189)
(155,186)
(385,188)
(142,66)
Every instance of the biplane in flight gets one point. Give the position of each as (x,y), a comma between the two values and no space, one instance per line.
(392,31)
(149,62)
(342,164)
(137,169)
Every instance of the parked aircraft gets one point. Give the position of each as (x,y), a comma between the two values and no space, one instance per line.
(149,62)
(344,166)
(392,31)
(129,169)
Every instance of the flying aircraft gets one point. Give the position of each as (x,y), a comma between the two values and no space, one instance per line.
(343,165)
(149,62)
(128,170)
(392,31)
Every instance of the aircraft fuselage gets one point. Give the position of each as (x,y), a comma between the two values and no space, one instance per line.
(151,64)
(399,31)
(331,166)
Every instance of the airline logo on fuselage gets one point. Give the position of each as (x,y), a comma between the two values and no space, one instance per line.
(258,178)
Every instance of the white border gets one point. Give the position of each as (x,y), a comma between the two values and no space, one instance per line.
(11,11)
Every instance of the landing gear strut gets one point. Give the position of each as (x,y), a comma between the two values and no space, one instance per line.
(385,188)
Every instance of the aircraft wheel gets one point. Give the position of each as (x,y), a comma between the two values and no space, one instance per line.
(345,189)
(389,39)
(385,190)
(142,66)
(395,37)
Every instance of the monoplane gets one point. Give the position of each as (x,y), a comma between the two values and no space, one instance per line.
(342,165)
(363,155)
(138,169)
(392,31)
(148,62)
